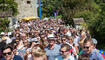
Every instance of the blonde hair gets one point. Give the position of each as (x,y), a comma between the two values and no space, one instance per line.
(81,42)
(38,52)
(70,38)
(84,40)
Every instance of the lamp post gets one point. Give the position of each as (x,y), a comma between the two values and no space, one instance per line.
(40,9)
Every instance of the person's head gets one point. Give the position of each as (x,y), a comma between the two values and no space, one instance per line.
(34,43)
(88,45)
(23,35)
(38,54)
(65,30)
(83,57)
(64,51)
(7,52)
(81,42)
(51,41)
(26,43)
(17,41)
(70,39)
(63,40)
(94,42)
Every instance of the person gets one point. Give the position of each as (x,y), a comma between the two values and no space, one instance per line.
(23,45)
(8,54)
(38,54)
(71,44)
(83,57)
(52,50)
(65,53)
(89,49)
(64,40)
(2,45)
(94,42)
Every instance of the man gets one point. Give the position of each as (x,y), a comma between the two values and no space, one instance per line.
(8,54)
(64,40)
(65,31)
(52,50)
(65,53)
(94,42)
(89,49)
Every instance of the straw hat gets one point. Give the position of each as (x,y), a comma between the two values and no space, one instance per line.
(4,38)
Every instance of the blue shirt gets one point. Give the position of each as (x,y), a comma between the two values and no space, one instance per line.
(16,57)
(52,53)
(96,55)
(69,58)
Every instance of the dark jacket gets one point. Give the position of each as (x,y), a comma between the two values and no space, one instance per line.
(16,57)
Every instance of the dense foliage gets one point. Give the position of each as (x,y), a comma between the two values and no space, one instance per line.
(93,12)
(4,24)
(49,7)
(95,21)
(7,5)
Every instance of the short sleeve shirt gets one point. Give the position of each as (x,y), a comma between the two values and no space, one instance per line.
(52,53)
(95,55)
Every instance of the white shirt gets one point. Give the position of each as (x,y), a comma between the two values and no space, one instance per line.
(76,40)
(8,40)
(68,33)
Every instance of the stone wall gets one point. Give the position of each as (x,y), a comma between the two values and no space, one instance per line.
(26,8)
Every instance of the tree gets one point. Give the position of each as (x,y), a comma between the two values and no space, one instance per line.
(99,31)
(49,7)
(4,23)
(71,7)
(93,12)
(10,6)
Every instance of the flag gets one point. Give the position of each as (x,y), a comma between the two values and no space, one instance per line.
(71,50)
(80,52)
(102,53)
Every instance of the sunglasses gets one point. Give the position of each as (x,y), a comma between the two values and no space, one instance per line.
(63,51)
(63,39)
(9,53)
(36,41)
(85,47)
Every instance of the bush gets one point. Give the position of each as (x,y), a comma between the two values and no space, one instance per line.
(4,24)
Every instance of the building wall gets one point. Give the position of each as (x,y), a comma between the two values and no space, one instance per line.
(26,8)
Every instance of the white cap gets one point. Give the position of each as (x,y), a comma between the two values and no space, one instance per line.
(51,35)
(94,41)
(2,33)
(9,33)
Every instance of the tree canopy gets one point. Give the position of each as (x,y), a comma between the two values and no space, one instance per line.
(49,7)
(9,5)
(93,12)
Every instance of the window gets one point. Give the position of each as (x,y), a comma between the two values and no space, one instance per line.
(28,2)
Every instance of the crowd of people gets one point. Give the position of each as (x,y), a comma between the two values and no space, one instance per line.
(48,40)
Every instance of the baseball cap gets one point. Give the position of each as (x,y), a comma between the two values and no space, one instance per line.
(35,40)
(2,33)
(52,38)
(94,41)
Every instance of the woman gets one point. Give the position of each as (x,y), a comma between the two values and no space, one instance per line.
(38,54)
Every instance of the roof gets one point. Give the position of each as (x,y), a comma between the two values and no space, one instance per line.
(78,20)
(5,13)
